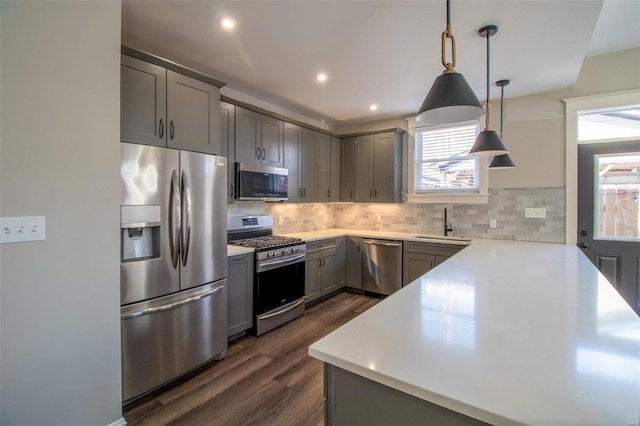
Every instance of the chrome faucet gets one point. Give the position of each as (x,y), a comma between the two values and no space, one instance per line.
(447,226)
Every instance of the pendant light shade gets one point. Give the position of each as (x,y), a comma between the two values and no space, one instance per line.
(488,141)
(501,161)
(450,99)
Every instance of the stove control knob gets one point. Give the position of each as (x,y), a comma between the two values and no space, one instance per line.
(269,254)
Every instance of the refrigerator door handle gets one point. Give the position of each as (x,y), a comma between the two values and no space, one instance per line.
(170,306)
(174,219)
(186,217)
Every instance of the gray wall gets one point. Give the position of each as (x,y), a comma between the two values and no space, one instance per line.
(59,130)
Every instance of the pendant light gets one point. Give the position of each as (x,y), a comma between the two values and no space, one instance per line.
(450,99)
(501,161)
(488,142)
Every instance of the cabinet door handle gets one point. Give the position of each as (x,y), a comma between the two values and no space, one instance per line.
(172,130)
(231,190)
(258,153)
(264,153)
(299,192)
(161,129)
(371,194)
(304,192)
(328,193)
(351,194)
(375,193)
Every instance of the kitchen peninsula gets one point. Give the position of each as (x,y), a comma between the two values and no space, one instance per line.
(504,333)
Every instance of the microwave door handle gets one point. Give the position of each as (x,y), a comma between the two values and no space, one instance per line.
(185,235)
(174,219)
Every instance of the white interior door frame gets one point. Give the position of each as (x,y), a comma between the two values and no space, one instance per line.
(572,107)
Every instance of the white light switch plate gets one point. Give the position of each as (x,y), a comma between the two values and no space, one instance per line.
(492,223)
(21,229)
(536,213)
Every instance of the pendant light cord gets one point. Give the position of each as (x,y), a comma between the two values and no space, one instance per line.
(486,122)
(448,14)
(501,108)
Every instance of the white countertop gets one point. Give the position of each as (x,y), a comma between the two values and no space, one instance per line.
(506,332)
(236,250)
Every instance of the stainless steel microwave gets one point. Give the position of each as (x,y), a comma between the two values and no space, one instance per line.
(261,183)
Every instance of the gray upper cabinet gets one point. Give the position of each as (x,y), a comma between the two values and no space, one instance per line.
(248,144)
(378,167)
(292,142)
(259,139)
(309,166)
(363,161)
(192,112)
(328,168)
(334,170)
(227,141)
(347,169)
(143,102)
(164,108)
(272,142)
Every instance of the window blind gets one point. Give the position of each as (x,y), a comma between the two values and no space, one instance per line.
(442,158)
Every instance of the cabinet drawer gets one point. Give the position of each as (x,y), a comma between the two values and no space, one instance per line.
(322,245)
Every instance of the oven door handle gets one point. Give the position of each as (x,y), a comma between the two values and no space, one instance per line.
(277,263)
(283,311)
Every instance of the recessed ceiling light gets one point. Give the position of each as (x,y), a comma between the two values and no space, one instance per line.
(228,24)
(321,77)
(373,107)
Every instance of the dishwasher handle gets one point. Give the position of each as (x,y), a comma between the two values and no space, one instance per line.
(380,243)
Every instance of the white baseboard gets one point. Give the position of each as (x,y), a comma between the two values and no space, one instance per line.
(120,422)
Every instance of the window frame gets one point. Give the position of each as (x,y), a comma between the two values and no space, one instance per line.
(448,196)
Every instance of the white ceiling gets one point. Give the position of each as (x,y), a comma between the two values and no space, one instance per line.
(382,52)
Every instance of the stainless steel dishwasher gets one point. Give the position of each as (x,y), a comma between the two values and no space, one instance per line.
(382,266)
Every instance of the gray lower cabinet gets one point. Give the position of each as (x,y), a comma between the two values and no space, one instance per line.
(259,138)
(164,108)
(227,141)
(420,258)
(351,399)
(377,167)
(240,293)
(321,269)
(353,262)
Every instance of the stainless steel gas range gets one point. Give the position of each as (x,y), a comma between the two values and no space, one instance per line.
(278,284)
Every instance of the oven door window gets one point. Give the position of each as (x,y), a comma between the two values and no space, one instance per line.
(278,287)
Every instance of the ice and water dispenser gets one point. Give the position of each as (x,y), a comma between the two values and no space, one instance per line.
(139,233)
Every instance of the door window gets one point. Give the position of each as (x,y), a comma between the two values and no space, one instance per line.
(617,204)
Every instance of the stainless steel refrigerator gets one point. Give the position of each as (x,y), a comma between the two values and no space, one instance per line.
(173,269)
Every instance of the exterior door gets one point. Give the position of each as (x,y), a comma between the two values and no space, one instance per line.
(608,220)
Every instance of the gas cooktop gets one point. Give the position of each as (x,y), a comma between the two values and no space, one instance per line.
(267,242)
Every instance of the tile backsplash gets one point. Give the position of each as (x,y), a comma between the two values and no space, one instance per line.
(506,206)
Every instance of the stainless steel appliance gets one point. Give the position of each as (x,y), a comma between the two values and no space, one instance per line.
(173,266)
(382,266)
(261,182)
(278,285)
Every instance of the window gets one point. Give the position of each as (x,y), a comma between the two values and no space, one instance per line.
(611,123)
(441,168)
(618,194)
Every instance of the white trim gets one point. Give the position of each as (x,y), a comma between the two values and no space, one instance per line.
(120,422)
(572,106)
(448,198)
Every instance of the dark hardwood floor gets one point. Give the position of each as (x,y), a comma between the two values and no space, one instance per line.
(268,380)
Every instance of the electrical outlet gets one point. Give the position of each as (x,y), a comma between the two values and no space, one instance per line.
(492,223)
(280,220)
(535,213)
(20,229)
(378,218)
